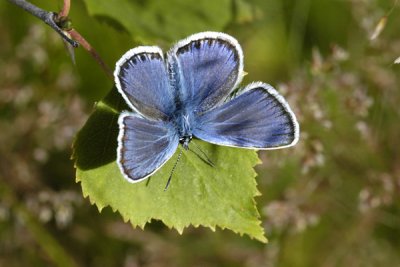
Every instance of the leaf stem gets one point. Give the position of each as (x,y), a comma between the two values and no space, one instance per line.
(85,44)
(65,9)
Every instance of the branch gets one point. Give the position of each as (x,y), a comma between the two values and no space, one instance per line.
(47,17)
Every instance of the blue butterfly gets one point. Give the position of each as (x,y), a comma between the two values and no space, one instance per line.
(189,93)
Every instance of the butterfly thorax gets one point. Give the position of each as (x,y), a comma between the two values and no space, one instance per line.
(184,129)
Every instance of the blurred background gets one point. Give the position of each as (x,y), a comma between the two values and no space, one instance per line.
(332,200)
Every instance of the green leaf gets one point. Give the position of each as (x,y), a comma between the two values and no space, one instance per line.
(199,194)
(166,20)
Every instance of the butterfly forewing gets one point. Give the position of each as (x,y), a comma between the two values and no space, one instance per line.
(142,79)
(206,68)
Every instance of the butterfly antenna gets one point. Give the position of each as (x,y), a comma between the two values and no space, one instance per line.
(148,181)
(206,158)
(172,171)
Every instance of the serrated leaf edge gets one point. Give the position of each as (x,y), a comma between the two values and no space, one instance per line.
(100,206)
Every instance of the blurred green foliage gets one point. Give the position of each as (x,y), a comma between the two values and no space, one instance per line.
(152,20)
(333,200)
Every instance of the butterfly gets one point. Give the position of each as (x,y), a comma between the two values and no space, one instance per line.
(191,91)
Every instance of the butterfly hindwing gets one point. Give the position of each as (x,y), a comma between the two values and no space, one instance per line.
(206,67)
(143,145)
(258,118)
(142,79)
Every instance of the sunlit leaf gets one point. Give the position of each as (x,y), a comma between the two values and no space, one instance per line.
(199,194)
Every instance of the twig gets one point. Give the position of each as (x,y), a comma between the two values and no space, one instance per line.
(46,16)
(62,25)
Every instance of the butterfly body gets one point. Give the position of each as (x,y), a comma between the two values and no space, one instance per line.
(187,93)
(183,128)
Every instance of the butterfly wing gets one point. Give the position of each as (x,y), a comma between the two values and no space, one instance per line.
(205,67)
(257,118)
(143,146)
(141,77)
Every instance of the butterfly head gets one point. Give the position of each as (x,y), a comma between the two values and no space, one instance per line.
(185,140)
